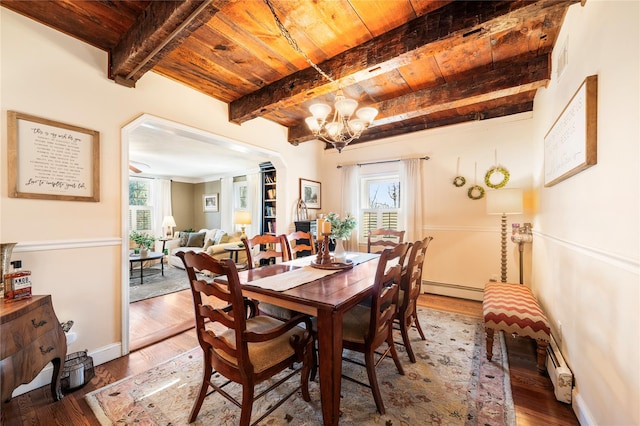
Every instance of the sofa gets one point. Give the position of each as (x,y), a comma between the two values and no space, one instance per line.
(211,241)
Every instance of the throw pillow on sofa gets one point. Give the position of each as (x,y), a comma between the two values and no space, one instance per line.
(196,239)
(184,237)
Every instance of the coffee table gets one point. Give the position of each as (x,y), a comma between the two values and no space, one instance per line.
(152,255)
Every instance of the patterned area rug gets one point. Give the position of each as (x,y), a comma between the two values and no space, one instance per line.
(451,384)
(154,284)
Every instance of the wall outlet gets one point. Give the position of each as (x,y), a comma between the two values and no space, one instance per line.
(494,278)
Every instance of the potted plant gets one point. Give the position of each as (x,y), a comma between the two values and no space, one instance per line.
(143,240)
(340,231)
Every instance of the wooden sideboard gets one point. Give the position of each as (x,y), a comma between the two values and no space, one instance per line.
(30,337)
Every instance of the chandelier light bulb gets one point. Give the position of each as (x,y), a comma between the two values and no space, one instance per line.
(346,107)
(320,111)
(367,114)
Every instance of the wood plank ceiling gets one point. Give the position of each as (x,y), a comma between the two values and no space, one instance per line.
(422,63)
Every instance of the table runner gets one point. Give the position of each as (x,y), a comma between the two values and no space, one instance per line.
(291,279)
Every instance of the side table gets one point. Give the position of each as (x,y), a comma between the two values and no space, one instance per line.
(233,255)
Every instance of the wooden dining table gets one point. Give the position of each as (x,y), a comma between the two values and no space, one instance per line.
(326,298)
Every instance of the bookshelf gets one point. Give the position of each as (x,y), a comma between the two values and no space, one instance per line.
(268,223)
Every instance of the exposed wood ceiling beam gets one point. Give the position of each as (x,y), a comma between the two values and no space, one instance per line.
(506,79)
(162,27)
(424,36)
(425,122)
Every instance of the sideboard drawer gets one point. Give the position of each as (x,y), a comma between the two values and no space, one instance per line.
(25,329)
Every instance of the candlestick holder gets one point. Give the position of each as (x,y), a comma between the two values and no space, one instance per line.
(323,258)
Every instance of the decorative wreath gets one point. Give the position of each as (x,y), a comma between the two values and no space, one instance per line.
(496,169)
(475,192)
(459,181)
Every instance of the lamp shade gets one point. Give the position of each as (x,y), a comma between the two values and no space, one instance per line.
(168,221)
(242,217)
(504,201)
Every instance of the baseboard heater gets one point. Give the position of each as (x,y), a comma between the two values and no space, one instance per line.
(560,374)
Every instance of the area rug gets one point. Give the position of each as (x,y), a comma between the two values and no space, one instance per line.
(154,284)
(451,384)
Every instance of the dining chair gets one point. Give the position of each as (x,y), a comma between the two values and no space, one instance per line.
(380,239)
(300,243)
(240,345)
(264,249)
(407,314)
(366,328)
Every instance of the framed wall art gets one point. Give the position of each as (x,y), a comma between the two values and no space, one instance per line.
(571,144)
(210,203)
(310,193)
(52,160)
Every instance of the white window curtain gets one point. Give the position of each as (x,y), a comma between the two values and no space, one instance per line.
(411,198)
(162,203)
(350,200)
(255,206)
(226,203)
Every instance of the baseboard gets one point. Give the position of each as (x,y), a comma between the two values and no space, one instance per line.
(100,356)
(581,410)
(452,290)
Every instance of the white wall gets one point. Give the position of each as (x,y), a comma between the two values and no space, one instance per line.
(465,252)
(74,249)
(585,265)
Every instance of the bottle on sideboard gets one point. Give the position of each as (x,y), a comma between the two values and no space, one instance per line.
(17,283)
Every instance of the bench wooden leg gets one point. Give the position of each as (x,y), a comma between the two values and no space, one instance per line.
(489,343)
(542,355)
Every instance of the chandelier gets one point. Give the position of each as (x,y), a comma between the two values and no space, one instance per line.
(342,129)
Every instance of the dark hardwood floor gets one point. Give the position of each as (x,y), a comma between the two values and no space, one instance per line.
(532,393)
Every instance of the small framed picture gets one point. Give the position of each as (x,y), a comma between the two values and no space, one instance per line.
(310,193)
(210,202)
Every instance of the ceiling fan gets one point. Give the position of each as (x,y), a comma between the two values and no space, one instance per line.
(136,166)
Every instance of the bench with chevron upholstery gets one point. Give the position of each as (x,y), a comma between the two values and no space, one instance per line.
(513,309)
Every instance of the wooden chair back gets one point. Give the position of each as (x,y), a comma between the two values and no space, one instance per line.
(231,294)
(410,291)
(412,275)
(231,329)
(380,239)
(299,242)
(384,298)
(266,248)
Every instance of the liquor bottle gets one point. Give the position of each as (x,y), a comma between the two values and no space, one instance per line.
(17,283)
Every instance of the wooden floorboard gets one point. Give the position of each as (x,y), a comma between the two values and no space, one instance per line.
(533,396)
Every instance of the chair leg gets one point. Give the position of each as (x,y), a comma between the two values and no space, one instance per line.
(307,365)
(416,322)
(373,381)
(206,376)
(394,353)
(489,343)
(404,330)
(314,359)
(247,403)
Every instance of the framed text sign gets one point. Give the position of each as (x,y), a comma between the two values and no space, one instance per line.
(51,160)
(571,144)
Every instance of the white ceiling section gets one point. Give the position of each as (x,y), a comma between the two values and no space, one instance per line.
(161,148)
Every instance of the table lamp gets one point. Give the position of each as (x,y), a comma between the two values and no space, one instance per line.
(504,202)
(168,223)
(242,218)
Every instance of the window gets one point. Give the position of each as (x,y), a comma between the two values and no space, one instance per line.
(380,203)
(140,205)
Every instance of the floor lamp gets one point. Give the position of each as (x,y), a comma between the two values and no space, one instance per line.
(504,202)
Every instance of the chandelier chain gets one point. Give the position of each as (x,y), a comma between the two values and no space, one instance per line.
(285,33)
